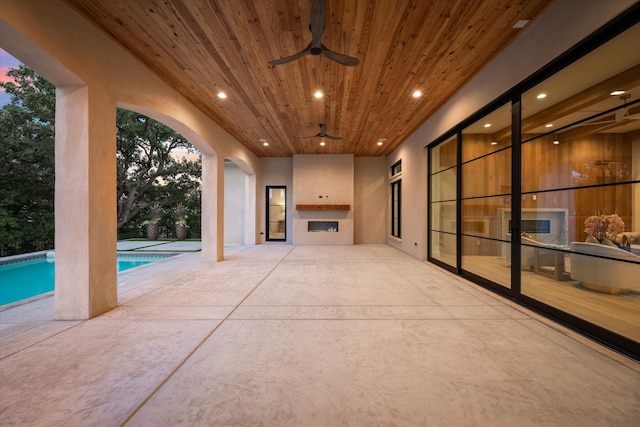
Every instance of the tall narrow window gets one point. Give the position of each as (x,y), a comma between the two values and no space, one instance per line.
(396,199)
(276,213)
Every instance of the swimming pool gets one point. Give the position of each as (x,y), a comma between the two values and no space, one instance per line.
(34,276)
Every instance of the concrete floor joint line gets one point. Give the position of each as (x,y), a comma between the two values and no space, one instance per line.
(197,347)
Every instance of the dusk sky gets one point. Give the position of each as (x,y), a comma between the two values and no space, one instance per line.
(6,61)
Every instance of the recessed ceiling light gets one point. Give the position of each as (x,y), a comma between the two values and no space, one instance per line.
(264,141)
(417,94)
(318,94)
(266,144)
(322,143)
(549,125)
(487,125)
(617,92)
(541,95)
(222,95)
(379,142)
(494,143)
(521,23)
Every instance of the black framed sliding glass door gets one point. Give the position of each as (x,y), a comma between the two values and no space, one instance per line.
(276,213)
(545,186)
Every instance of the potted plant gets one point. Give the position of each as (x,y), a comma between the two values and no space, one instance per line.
(153,224)
(181,222)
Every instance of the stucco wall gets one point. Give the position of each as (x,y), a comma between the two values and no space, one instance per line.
(93,76)
(371,197)
(275,171)
(324,179)
(234,205)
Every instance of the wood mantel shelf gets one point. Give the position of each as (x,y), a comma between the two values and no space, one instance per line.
(323,207)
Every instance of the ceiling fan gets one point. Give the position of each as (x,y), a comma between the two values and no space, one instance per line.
(318,14)
(621,115)
(323,133)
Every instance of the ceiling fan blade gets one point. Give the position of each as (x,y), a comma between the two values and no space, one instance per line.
(605,122)
(306,51)
(323,134)
(318,16)
(340,58)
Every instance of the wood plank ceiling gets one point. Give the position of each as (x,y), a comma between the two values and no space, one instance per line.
(203,47)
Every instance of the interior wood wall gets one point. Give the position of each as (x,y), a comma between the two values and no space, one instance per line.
(569,175)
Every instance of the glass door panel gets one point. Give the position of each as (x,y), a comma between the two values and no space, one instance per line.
(276,213)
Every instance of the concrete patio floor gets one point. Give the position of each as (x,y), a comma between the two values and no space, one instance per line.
(278,335)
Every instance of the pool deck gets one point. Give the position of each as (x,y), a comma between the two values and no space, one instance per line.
(306,336)
(159,246)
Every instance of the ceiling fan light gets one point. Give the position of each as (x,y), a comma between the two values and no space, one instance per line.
(617,92)
(322,143)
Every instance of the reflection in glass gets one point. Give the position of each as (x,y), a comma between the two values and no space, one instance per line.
(443,247)
(580,167)
(443,185)
(476,259)
(486,238)
(487,176)
(444,155)
(443,195)
(487,217)
(604,158)
(575,272)
(443,217)
(490,134)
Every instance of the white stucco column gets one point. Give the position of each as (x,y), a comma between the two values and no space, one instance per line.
(250,210)
(85,204)
(212,208)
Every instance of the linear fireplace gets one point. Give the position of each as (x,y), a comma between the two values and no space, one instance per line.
(323,226)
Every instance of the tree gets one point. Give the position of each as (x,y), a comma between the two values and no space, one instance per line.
(148,168)
(27,126)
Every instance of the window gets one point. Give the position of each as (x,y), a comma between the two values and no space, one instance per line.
(396,199)
(396,169)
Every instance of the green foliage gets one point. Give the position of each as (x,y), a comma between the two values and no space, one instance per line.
(148,169)
(27,126)
(149,172)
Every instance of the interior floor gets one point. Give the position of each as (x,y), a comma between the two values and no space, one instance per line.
(306,336)
(619,313)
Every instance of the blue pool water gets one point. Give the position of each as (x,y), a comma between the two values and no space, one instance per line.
(25,279)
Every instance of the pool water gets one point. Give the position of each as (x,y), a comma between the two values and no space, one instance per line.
(25,279)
